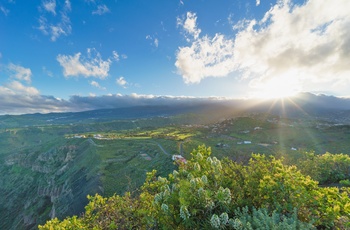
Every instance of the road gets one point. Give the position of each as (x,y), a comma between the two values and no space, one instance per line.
(161,147)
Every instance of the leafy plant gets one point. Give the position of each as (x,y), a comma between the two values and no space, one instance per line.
(207,193)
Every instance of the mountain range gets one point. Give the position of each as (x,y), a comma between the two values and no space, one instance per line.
(325,107)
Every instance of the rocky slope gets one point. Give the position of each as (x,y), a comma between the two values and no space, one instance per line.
(46,182)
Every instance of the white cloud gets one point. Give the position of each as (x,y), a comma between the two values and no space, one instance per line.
(16,98)
(17,88)
(101,9)
(4,10)
(257,2)
(91,66)
(97,85)
(60,26)
(20,73)
(303,43)
(50,6)
(155,41)
(206,57)
(122,82)
(190,24)
(115,55)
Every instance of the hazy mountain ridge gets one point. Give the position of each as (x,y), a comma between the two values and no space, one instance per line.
(303,104)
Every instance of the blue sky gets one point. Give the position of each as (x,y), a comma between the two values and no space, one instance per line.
(55,51)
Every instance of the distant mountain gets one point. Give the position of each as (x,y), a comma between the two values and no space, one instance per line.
(323,107)
(323,101)
(303,104)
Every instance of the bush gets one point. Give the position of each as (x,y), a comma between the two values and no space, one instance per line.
(260,219)
(326,168)
(207,193)
(345,183)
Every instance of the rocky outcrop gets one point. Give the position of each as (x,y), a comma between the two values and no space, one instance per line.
(38,185)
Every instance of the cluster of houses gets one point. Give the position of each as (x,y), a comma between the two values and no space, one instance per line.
(95,136)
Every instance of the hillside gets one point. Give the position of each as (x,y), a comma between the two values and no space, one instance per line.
(50,162)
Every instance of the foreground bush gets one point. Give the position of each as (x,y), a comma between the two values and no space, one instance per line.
(207,193)
(325,168)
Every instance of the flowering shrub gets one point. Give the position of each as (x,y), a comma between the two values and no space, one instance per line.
(207,193)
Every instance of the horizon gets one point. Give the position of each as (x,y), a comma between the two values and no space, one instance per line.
(78,104)
(65,56)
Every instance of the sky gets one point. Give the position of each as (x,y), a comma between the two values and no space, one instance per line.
(64,55)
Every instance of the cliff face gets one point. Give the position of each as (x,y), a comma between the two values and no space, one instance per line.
(46,181)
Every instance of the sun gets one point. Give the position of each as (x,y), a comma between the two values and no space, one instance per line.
(278,88)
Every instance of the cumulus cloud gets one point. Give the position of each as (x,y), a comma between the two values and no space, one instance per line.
(257,2)
(20,73)
(91,65)
(101,9)
(55,27)
(206,57)
(12,103)
(16,87)
(303,44)
(190,24)
(309,42)
(122,82)
(97,85)
(16,98)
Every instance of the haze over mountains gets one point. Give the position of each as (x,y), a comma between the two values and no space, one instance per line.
(127,107)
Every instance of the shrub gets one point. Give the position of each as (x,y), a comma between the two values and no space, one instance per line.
(208,193)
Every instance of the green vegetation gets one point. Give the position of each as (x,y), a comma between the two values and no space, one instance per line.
(207,193)
(48,170)
(326,168)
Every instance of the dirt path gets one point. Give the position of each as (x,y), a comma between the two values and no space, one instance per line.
(161,147)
